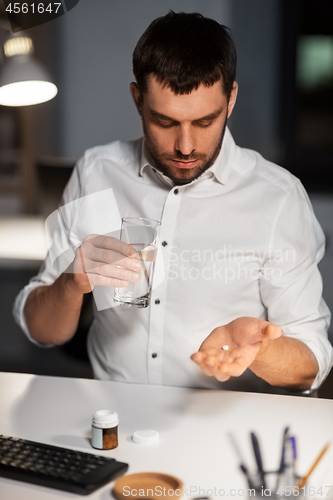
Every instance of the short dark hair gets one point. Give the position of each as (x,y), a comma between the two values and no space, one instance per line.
(184,50)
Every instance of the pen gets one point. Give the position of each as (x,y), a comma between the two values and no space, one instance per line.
(304,479)
(286,430)
(288,468)
(293,442)
(242,466)
(280,470)
(257,455)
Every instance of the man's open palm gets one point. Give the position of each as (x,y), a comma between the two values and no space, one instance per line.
(244,337)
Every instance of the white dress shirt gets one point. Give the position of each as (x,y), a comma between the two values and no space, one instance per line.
(241,240)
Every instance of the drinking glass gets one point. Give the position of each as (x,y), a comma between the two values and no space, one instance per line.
(141,236)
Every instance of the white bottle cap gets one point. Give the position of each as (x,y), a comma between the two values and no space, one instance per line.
(105,419)
(146,437)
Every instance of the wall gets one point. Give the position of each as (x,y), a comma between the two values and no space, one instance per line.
(256,26)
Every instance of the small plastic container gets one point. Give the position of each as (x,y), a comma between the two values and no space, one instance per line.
(146,437)
(104,430)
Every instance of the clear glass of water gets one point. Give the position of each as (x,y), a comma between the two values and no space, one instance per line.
(141,236)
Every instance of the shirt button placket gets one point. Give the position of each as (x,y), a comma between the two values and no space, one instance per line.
(157,310)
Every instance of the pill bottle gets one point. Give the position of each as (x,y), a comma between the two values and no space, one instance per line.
(104,430)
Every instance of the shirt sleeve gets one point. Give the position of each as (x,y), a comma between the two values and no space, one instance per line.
(291,284)
(49,270)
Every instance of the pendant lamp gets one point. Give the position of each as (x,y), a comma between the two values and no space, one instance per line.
(23,81)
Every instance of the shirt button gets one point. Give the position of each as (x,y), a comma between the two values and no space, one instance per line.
(164,243)
(154,355)
(176,191)
(157,301)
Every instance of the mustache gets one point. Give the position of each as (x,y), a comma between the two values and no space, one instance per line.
(180,157)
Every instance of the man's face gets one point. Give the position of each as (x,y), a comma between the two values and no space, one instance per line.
(183,133)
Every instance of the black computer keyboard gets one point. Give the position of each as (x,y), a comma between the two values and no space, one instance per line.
(56,467)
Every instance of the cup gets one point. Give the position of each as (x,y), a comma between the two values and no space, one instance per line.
(141,236)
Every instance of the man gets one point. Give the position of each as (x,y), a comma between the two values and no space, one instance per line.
(239,239)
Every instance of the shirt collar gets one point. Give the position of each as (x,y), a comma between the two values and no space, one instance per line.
(223,164)
(220,169)
(147,161)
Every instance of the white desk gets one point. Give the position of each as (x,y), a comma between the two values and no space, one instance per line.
(192,425)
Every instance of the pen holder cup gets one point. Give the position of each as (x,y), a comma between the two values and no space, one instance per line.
(277,486)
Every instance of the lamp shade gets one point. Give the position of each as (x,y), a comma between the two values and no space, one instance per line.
(23,82)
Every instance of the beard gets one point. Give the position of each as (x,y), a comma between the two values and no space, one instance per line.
(181,176)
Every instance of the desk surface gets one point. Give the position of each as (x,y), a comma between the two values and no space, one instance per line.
(193,426)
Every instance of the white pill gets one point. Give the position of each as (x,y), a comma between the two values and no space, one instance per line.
(225,347)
